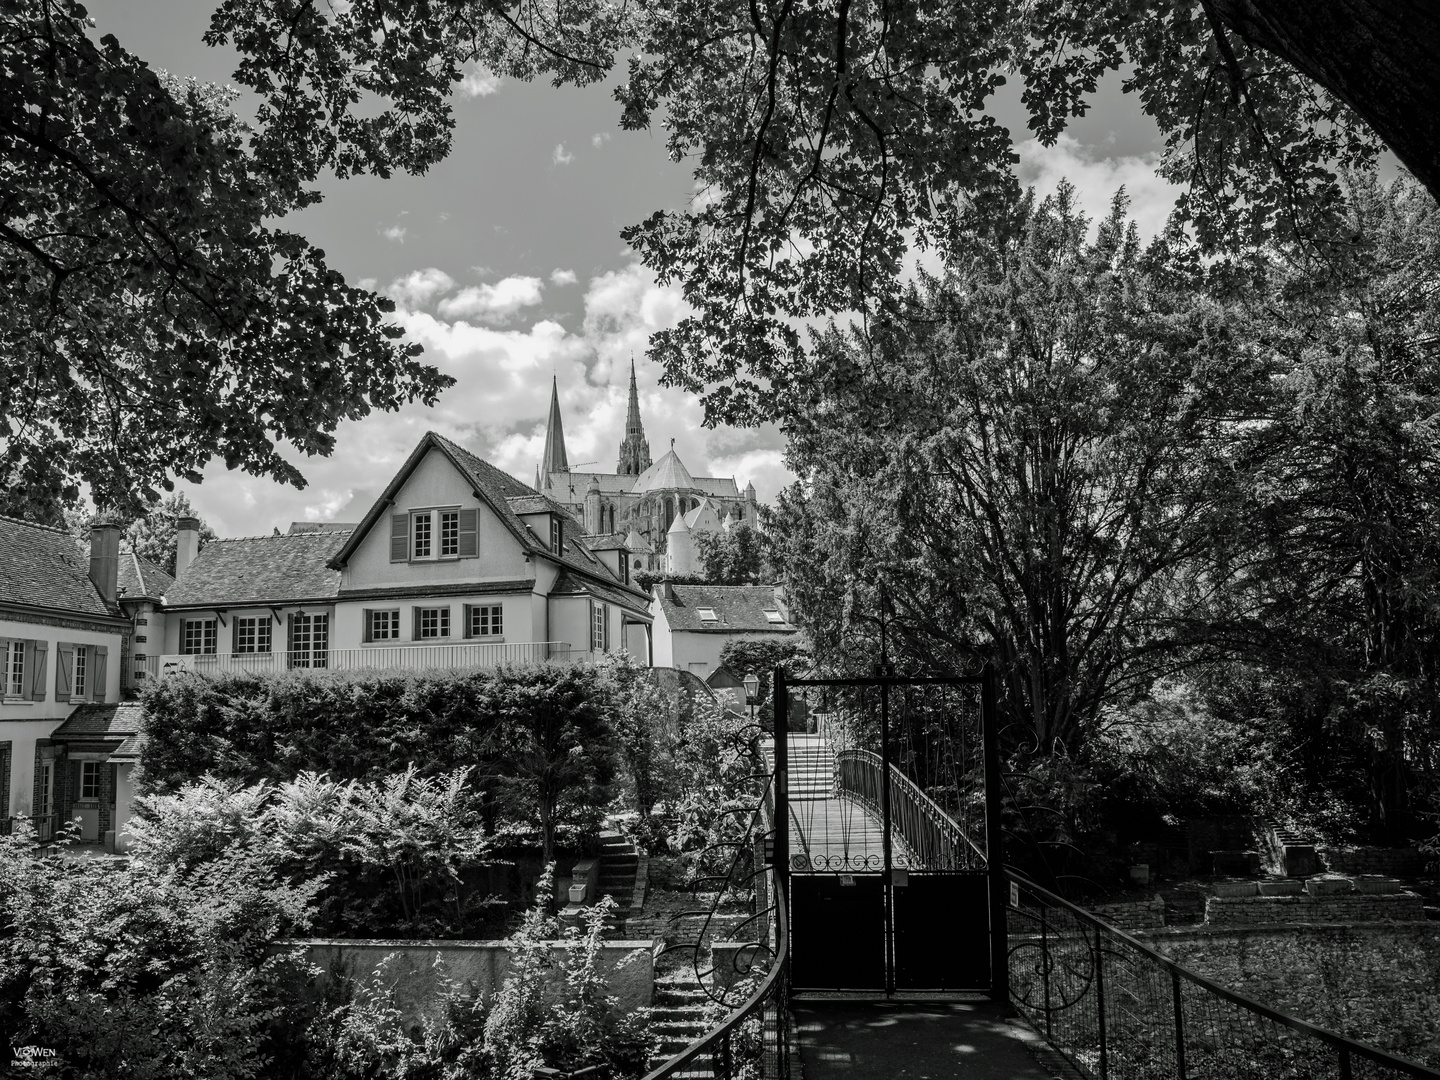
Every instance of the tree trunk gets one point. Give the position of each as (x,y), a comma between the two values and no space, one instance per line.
(1380,57)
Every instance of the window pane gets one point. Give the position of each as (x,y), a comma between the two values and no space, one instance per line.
(78,684)
(421,529)
(14,658)
(450,532)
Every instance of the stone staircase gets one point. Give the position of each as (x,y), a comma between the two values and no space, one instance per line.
(812,766)
(679,1013)
(618,864)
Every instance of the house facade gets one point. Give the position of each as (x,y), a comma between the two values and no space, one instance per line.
(63,635)
(693,622)
(457,564)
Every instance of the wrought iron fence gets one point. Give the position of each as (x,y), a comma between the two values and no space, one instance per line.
(931,838)
(1118,1010)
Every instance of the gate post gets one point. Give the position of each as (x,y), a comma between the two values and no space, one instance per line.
(780,701)
(994,842)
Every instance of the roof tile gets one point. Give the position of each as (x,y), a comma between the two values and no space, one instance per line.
(738,608)
(44,567)
(261,570)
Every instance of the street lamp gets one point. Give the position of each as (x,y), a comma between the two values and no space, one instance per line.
(752,692)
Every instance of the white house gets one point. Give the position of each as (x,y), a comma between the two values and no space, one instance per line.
(693,622)
(457,564)
(62,634)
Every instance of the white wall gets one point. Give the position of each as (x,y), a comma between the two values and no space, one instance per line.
(685,649)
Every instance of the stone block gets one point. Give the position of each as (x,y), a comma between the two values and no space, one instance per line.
(1328,886)
(1379,886)
(1230,889)
(1287,887)
(1300,860)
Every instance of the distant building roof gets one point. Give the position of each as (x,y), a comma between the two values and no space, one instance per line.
(140,577)
(667,473)
(320,526)
(607,542)
(736,609)
(46,568)
(261,570)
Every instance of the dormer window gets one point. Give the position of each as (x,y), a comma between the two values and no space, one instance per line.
(773,616)
(557,535)
(707,614)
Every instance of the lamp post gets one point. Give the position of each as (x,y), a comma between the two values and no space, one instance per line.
(752,693)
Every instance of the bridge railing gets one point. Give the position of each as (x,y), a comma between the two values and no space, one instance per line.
(1119,1010)
(934,841)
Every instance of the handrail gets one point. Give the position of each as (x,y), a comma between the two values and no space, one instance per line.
(934,838)
(1108,940)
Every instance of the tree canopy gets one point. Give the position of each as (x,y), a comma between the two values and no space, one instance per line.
(155,316)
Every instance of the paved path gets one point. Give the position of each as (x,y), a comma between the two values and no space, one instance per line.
(901,1041)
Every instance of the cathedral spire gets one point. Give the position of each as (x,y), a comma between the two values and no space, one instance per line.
(634,450)
(555,459)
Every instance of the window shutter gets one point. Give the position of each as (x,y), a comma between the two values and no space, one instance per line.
(290,639)
(465,617)
(38,654)
(469,545)
(605,616)
(64,669)
(102,653)
(400,538)
(414,624)
(367,625)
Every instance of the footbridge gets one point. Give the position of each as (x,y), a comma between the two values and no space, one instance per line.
(889,938)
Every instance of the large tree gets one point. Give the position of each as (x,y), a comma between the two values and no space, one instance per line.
(155,315)
(1026,458)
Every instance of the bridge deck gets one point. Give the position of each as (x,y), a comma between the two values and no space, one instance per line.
(840,833)
(895,1041)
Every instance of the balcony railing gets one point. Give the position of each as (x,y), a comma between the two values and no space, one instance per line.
(391,657)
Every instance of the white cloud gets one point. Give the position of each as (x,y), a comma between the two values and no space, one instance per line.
(395,232)
(1096,180)
(479,82)
(499,403)
(561,156)
(562,277)
(492,303)
(599,139)
(417,288)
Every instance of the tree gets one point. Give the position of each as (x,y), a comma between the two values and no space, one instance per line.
(1028,457)
(735,557)
(154,316)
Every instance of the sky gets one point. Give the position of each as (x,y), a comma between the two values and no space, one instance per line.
(506,264)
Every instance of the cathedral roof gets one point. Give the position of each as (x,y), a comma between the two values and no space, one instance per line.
(554,459)
(669,473)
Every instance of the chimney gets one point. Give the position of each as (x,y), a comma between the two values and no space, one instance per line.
(105,560)
(187,544)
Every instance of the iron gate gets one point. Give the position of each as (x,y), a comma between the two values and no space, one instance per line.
(888,835)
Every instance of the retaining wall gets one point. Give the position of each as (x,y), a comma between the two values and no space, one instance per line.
(1351,907)
(1403,862)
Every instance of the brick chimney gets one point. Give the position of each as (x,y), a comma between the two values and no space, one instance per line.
(187,544)
(105,560)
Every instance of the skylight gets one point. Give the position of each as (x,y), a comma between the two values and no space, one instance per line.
(707,614)
(773,616)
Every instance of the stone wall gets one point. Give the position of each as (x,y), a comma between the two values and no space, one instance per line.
(1135,915)
(418,970)
(1334,908)
(1404,862)
(1379,983)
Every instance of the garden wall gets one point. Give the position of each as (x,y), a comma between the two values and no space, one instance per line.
(1354,907)
(419,970)
(1401,862)
(1376,982)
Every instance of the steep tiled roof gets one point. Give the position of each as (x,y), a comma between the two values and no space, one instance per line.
(129,750)
(90,722)
(503,492)
(738,608)
(607,542)
(261,570)
(43,567)
(568,584)
(140,577)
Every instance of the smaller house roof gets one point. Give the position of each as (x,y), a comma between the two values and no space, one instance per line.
(568,584)
(261,570)
(139,577)
(737,608)
(607,542)
(89,723)
(44,567)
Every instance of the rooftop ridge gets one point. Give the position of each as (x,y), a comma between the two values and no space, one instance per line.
(37,525)
(280,536)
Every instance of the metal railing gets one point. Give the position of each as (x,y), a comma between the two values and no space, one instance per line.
(934,841)
(389,657)
(1119,1010)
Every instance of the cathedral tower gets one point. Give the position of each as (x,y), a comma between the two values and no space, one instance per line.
(634,450)
(555,459)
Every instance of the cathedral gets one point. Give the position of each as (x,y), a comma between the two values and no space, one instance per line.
(654,509)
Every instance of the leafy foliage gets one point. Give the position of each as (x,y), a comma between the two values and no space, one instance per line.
(763,656)
(733,557)
(154,317)
(152,536)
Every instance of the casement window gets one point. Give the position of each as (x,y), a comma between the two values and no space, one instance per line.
(44,789)
(599,627)
(252,635)
(89,779)
(431,623)
(484,620)
(309,641)
(80,671)
(382,625)
(427,535)
(557,535)
(12,655)
(198,637)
